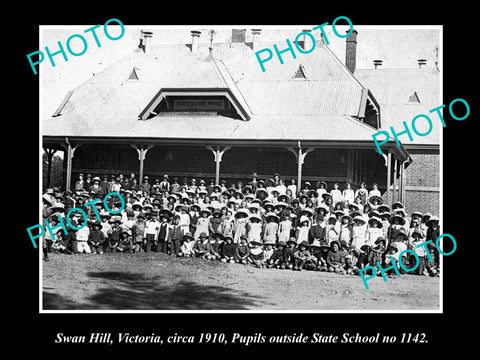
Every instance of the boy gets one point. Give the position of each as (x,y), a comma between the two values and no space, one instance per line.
(163,233)
(377,253)
(256,256)
(201,248)
(335,258)
(242,251)
(290,251)
(96,239)
(431,266)
(175,237)
(124,242)
(215,247)
(316,251)
(277,259)
(138,230)
(59,245)
(303,259)
(82,240)
(229,250)
(151,231)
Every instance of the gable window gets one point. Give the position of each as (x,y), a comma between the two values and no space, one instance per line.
(300,73)
(414,99)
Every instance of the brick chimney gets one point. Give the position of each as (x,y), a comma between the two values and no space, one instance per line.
(421,62)
(255,34)
(351,51)
(195,35)
(377,63)
(147,41)
(238,35)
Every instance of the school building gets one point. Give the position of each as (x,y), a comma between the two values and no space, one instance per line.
(206,110)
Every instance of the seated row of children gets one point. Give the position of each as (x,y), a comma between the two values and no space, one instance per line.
(338,256)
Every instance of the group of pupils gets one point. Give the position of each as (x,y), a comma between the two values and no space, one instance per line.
(265,224)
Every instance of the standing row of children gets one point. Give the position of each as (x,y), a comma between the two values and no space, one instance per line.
(263,225)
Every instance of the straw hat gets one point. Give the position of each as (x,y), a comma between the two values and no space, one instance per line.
(397,205)
(303,219)
(292,240)
(431,220)
(323,207)
(271,215)
(360,219)
(241,213)
(375,219)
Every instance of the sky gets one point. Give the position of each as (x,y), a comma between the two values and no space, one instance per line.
(398,47)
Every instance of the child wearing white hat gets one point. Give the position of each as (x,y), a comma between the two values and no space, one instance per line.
(254,228)
(303,230)
(270,230)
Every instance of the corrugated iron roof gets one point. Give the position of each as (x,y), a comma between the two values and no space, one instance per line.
(393,89)
(282,107)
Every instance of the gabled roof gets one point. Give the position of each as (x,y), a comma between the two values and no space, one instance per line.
(323,107)
(393,90)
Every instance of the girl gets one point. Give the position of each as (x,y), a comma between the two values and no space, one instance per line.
(202,224)
(348,194)
(397,223)
(321,188)
(359,232)
(336,194)
(292,186)
(345,228)
(288,196)
(186,250)
(374,230)
(332,230)
(226,227)
(328,201)
(270,230)
(303,201)
(239,225)
(184,219)
(254,229)
(362,193)
(302,231)
(285,227)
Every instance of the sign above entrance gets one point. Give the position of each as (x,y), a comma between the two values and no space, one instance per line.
(199,104)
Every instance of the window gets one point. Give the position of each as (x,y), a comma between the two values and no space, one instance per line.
(300,73)
(413,99)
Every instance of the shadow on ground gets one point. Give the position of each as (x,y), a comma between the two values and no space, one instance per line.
(127,291)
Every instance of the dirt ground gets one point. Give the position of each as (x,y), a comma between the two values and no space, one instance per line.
(155,281)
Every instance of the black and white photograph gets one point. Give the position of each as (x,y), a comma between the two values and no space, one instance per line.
(236,168)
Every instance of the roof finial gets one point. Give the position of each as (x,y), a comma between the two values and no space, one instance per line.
(211,32)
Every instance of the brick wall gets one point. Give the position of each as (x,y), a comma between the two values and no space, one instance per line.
(424,170)
(423,201)
(422,178)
